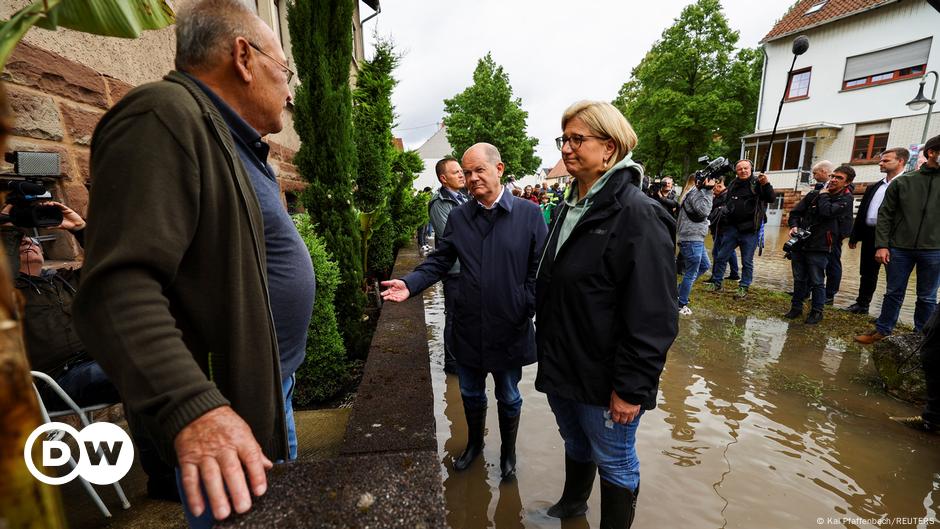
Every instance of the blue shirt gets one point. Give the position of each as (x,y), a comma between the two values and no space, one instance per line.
(291,279)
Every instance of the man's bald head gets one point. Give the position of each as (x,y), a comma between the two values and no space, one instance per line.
(487,150)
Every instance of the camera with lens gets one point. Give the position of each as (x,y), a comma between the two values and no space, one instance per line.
(794,242)
(713,170)
(26,192)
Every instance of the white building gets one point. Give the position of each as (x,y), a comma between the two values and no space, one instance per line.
(846,100)
(431,151)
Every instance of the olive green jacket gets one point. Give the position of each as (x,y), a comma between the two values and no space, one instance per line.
(909,217)
(174,302)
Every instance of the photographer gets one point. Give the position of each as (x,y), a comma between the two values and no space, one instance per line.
(664,193)
(719,208)
(693,226)
(54,348)
(815,227)
(740,226)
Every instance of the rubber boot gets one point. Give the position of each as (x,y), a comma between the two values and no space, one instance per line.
(476,422)
(579,480)
(508,429)
(618,506)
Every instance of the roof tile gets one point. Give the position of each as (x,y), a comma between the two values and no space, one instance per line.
(796,18)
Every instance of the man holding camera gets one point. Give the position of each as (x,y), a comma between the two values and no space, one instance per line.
(54,348)
(740,226)
(815,227)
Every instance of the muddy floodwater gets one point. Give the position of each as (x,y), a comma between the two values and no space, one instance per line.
(760,423)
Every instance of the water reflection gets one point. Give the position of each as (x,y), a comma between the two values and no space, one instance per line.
(759,424)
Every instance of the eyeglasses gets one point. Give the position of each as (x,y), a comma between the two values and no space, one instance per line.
(575,141)
(287,71)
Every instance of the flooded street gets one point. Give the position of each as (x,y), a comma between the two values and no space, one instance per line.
(760,423)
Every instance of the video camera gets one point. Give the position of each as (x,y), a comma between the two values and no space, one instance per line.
(26,193)
(713,170)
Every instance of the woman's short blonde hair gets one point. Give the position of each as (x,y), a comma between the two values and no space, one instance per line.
(604,120)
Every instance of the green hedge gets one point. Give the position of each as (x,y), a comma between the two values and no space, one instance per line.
(325,370)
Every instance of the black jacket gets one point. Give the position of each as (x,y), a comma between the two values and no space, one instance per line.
(860,230)
(496,286)
(746,202)
(822,214)
(606,309)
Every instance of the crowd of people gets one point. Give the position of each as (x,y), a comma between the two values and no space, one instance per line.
(580,280)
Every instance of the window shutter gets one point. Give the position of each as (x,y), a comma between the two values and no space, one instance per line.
(911,54)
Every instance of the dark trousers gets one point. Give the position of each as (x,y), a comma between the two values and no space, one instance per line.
(868,270)
(834,271)
(808,278)
(931,361)
(450,299)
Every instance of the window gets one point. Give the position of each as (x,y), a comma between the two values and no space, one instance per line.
(815,8)
(785,155)
(868,148)
(888,65)
(798,86)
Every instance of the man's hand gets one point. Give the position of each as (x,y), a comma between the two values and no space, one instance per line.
(396,291)
(70,220)
(621,411)
(793,231)
(762,179)
(212,451)
(883,256)
(852,245)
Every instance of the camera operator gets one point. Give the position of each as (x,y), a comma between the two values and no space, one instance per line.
(693,226)
(719,208)
(820,213)
(664,193)
(740,226)
(54,348)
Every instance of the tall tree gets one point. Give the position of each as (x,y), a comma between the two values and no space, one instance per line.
(373,114)
(321,37)
(486,111)
(693,93)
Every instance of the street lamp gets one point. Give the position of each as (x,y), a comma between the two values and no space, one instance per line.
(921,101)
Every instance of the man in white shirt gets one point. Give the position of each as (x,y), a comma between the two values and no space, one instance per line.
(892,164)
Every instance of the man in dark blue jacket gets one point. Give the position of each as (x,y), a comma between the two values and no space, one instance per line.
(498,239)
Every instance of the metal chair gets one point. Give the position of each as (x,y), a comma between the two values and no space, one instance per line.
(75,409)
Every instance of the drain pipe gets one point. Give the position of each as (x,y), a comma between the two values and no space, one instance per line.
(378,9)
(760,97)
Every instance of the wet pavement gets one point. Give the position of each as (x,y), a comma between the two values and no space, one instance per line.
(760,423)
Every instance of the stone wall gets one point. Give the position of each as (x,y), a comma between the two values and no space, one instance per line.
(56,104)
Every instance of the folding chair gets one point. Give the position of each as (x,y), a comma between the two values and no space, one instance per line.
(57,435)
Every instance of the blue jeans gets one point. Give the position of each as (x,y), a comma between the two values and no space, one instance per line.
(206,520)
(288,387)
(473,389)
(731,239)
(696,264)
(809,269)
(590,435)
(899,270)
(732,261)
(85,382)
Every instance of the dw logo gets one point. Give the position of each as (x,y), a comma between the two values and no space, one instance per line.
(105,453)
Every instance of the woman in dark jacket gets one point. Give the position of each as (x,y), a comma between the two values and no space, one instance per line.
(606,311)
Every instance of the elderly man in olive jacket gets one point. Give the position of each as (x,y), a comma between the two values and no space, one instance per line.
(181,298)
(497,238)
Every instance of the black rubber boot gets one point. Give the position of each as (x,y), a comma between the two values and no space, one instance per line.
(815,316)
(508,429)
(618,506)
(579,480)
(476,422)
